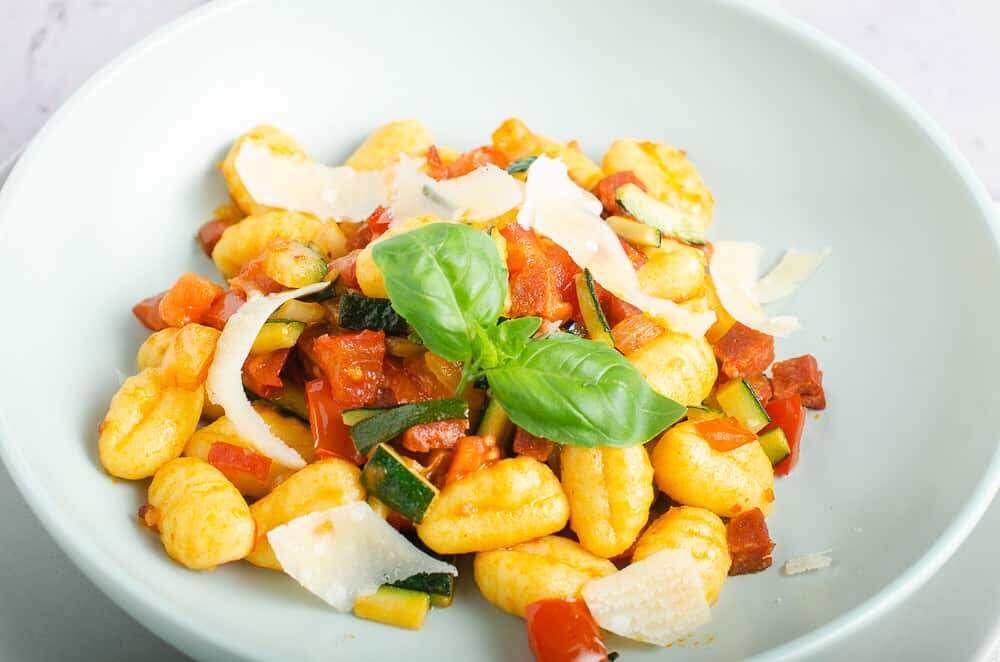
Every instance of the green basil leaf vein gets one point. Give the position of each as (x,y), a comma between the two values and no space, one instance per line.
(448,281)
(581,393)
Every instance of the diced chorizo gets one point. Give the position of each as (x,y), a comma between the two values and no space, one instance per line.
(750,544)
(743,351)
(800,375)
(528,444)
(429,436)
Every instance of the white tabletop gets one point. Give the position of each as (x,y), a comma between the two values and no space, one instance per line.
(944,53)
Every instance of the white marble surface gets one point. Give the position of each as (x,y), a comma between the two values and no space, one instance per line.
(943,52)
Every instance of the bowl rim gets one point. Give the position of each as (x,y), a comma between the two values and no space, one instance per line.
(187,634)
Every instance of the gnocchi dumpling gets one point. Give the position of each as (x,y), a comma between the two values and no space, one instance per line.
(516,141)
(367,272)
(383,147)
(673,271)
(677,366)
(247,239)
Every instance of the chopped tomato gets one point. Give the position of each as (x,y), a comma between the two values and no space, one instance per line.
(379,220)
(426,437)
(224,307)
(361,237)
(465,163)
(633,332)
(606,188)
(188,300)
(253,278)
(332,438)
(262,372)
(528,444)
(724,434)
(412,380)
(471,454)
(436,469)
(448,373)
(563,631)
(534,278)
(147,312)
(635,256)
(346,268)
(616,309)
(352,365)
(228,458)
(788,414)
(564,269)
(210,234)
(436,169)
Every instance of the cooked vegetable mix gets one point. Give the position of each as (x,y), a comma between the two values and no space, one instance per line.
(492,351)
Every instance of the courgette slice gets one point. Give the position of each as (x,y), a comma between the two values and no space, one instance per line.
(387,476)
(355,416)
(439,585)
(495,426)
(299,311)
(396,606)
(358,312)
(590,309)
(638,234)
(387,424)
(291,399)
(520,165)
(277,334)
(737,399)
(668,219)
(775,445)
(696,414)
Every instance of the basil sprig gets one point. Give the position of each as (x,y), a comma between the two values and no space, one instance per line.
(448,281)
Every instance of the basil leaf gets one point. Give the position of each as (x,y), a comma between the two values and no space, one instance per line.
(510,338)
(447,281)
(582,393)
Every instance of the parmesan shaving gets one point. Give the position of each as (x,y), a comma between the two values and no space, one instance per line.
(346,552)
(807,563)
(734,268)
(793,269)
(298,184)
(224,385)
(557,208)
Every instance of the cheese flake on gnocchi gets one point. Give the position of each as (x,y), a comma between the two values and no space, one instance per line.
(656,600)
(484,193)
(347,552)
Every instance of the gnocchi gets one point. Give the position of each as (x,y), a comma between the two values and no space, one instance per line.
(674,271)
(677,366)
(367,272)
(516,140)
(383,147)
(246,240)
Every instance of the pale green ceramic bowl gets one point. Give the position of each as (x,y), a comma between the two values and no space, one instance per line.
(802,144)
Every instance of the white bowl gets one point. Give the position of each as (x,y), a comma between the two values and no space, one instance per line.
(802,144)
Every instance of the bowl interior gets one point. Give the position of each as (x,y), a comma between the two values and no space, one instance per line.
(799,149)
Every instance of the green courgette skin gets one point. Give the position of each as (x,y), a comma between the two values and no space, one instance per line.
(396,485)
(392,422)
(439,585)
(291,400)
(667,219)
(520,165)
(358,312)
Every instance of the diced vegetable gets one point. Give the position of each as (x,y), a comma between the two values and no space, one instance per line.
(590,308)
(439,585)
(670,220)
(188,300)
(403,347)
(358,414)
(495,427)
(147,312)
(520,165)
(775,445)
(563,631)
(373,431)
(634,232)
(353,366)
(724,434)
(426,437)
(210,233)
(277,334)
(396,606)
(534,288)
(358,312)
(262,372)
(293,264)
(633,332)
(528,444)
(332,437)
(224,307)
(738,399)
(606,189)
(291,399)
(696,414)
(227,458)
(789,415)
(471,453)
(387,476)
(300,311)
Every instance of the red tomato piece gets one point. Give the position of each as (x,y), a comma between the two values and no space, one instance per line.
(633,332)
(634,255)
(253,278)
(147,312)
(379,220)
(470,454)
(228,458)
(564,269)
(224,307)
(332,438)
(528,444)
(473,159)
(436,169)
(724,434)
(346,268)
(426,437)
(211,232)
(534,286)
(188,300)
(352,365)
(563,631)
(788,414)
(262,372)
(606,188)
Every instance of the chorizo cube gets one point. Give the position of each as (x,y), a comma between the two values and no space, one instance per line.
(750,544)
(800,375)
(743,351)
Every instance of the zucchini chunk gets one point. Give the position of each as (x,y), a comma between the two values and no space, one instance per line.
(439,585)
(387,476)
(668,219)
(738,399)
(634,232)
(590,308)
(358,312)
(495,426)
(696,414)
(396,606)
(277,334)
(394,421)
(291,400)
(355,416)
(775,445)
(520,165)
